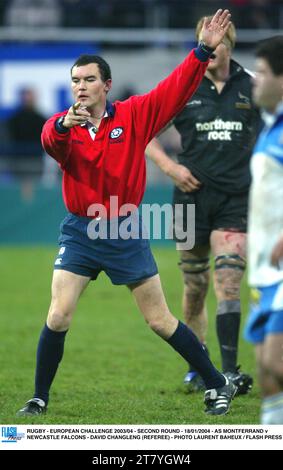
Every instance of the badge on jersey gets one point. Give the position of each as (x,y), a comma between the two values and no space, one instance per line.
(116,133)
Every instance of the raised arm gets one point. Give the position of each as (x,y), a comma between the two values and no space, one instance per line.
(213,31)
(153,110)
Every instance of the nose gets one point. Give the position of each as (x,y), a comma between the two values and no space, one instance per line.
(82,85)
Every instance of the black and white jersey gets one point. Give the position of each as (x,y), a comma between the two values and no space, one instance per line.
(218,131)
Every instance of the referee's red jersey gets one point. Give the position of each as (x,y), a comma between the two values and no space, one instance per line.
(113,164)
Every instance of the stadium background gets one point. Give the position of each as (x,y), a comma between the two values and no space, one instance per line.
(116,369)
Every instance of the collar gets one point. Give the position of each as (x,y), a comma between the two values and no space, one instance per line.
(271,118)
(89,124)
(235,68)
(109,111)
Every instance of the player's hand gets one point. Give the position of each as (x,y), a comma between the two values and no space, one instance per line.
(76,115)
(184,179)
(277,254)
(214,30)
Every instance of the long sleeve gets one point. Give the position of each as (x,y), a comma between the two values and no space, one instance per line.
(57,145)
(155,109)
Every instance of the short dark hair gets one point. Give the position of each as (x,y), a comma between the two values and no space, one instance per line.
(85,59)
(272,51)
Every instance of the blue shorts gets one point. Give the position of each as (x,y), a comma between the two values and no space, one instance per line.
(125,261)
(266,313)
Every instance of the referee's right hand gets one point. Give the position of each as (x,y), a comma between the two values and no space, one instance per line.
(76,116)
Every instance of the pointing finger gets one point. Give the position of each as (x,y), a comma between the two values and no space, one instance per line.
(75,107)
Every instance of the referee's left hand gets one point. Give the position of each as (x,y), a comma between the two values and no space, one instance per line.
(213,31)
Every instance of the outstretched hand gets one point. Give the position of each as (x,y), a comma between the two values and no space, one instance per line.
(77,115)
(214,30)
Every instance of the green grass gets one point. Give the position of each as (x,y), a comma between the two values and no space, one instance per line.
(115,370)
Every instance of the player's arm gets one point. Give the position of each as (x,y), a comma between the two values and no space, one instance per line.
(56,136)
(277,254)
(153,110)
(75,116)
(181,176)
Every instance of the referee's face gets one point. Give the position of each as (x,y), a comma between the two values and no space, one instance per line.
(88,86)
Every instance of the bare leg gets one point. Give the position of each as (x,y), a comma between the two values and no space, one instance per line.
(195,268)
(152,304)
(66,290)
(228,247)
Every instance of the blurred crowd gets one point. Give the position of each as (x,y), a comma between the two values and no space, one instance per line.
(136,13)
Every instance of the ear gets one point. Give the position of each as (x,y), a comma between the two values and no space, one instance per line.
(108,85)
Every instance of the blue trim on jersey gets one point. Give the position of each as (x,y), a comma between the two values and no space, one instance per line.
(110,108)
(270,141)
(203,54)
(260,324)
(263,318)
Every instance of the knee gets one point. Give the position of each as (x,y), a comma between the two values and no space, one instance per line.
(59,316)
(156,325)
(195,290)
(229,270)
(163,326)
(196,275)
(196,284)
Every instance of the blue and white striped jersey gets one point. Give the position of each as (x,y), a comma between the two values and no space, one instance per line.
(266,202)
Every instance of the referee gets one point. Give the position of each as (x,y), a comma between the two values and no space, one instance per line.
(100,149)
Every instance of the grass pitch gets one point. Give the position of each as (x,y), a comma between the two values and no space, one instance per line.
(114,370)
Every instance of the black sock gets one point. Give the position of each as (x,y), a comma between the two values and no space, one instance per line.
(185,342)
(191,368)
(228,326)
(49,353)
